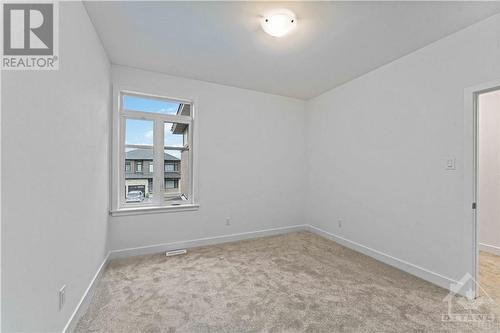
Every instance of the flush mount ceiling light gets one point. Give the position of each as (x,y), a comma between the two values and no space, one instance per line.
(278,22)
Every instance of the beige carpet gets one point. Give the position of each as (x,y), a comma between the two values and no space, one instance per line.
(489,275)
(298,282)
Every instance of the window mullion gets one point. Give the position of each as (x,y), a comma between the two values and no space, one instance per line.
(163,117)
(121,161)
(158,162)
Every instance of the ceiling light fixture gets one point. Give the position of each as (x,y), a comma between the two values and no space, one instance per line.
(278,22)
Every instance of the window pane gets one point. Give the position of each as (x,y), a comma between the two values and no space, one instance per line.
(176,135)
(139,132)
(171,183)
(138,178)
(177,186)
(153,105)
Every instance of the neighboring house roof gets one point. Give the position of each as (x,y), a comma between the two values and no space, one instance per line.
(146,154)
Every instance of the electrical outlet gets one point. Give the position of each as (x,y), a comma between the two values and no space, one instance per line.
(340,223)
(62,296)
(228,221)
(451,163)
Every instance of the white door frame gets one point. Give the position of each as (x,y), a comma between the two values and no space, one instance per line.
(471,225)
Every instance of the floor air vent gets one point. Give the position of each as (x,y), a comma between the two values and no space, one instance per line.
(175,252)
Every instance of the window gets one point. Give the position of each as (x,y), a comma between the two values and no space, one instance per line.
(171,183)
(170,167)
(154,134)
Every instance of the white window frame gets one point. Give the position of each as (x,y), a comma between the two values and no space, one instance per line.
(119,206)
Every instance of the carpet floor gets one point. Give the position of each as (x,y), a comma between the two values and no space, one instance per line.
(297,282)
(489,275)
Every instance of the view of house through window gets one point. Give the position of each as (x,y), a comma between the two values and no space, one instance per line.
(177,168)
(138,149)
(156,151)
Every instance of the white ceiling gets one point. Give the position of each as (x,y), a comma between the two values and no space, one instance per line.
(222,42)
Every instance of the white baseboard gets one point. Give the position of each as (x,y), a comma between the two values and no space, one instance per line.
(83,305)
(202,241)
(405,266)
(489,248)
(425,274)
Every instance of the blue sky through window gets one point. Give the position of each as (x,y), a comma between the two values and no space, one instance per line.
(149,105)
(139,132)
(171,139)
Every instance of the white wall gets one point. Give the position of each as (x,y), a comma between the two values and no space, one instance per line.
(54,178)
(377,148)
(489,171)
(251,163)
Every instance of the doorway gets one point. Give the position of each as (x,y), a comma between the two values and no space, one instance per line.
(487,104)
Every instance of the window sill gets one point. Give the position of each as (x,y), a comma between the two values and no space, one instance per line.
(154,210)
